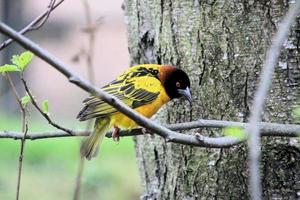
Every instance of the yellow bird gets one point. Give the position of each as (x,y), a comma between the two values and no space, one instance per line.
(144,88)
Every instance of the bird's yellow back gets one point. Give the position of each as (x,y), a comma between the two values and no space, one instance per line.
(138,86)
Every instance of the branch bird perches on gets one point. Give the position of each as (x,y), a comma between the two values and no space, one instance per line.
(267,130)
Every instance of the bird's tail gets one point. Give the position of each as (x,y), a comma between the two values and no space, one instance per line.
(89,147)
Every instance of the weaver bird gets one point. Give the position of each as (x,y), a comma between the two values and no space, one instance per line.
(144,88)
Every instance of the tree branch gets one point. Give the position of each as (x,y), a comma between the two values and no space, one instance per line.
(45,115)
(22,135)
(267,130)
(44,19)
(169,135)
(259,100)
(35,24)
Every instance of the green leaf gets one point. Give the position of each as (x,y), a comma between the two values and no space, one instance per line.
(22,60)
(296,112)
(235,131)
(45,107)
(25,100)
(9,68)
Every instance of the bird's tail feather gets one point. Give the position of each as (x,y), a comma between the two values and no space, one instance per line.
(89,147)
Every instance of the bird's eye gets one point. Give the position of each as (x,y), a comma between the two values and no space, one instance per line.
(178,84)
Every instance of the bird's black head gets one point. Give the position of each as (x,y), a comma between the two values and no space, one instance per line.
(176,83)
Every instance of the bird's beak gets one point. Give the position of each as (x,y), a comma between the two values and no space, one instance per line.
(186,93)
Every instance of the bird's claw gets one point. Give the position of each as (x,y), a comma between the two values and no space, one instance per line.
(146,131)
(116,134)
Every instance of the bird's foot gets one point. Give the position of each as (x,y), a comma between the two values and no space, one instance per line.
(147,131)
(116,134)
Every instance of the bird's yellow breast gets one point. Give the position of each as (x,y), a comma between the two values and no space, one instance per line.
(122,121)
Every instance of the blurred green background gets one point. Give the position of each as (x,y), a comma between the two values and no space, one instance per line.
(50,167)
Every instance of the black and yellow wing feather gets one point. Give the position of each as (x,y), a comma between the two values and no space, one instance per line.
(138,86)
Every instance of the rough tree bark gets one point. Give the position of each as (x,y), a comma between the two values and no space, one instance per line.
(221,45)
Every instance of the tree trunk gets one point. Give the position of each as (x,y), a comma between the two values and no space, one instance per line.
(221,45)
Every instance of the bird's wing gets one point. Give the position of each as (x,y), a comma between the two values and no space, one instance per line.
(134,88)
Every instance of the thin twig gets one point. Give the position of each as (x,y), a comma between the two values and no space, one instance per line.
(91,78)
(91,42)
(24,132)
(13,87)
(45,115)
(21,156)
(41,135)
(259,100)
(42,17)
(78,178)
